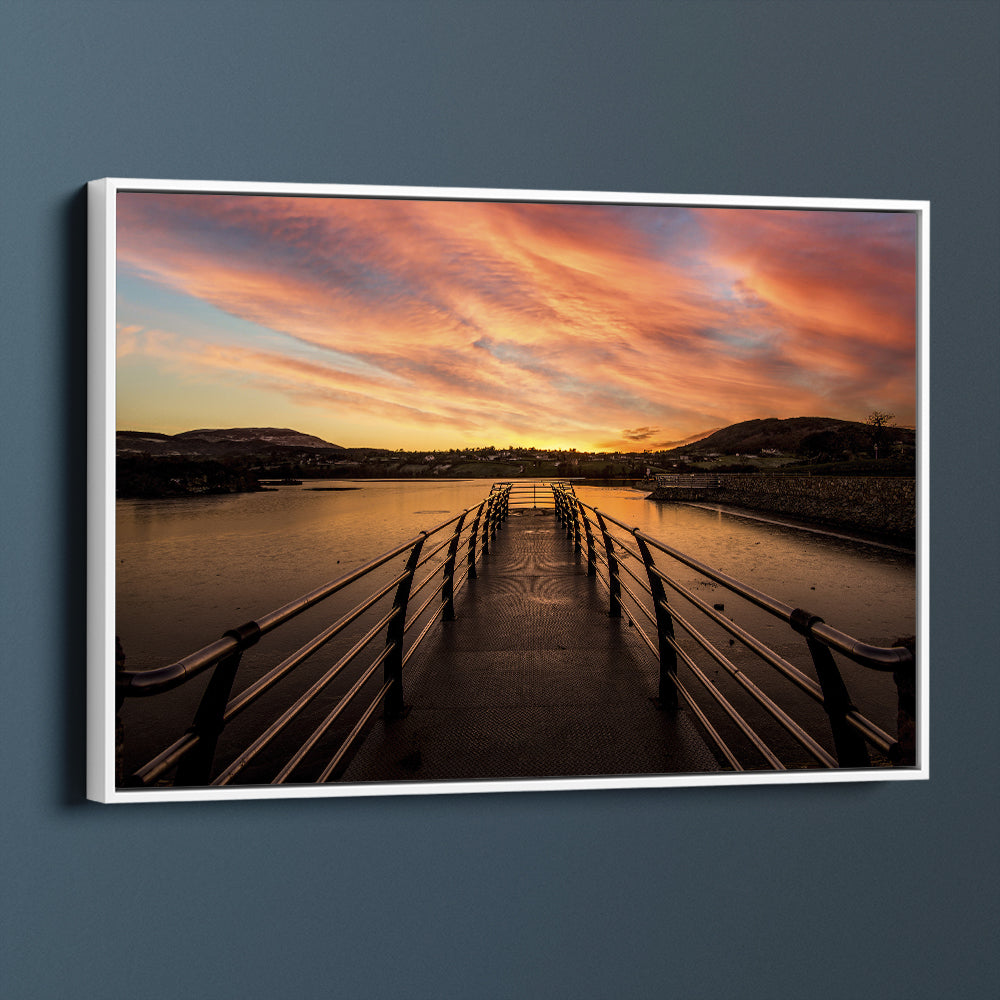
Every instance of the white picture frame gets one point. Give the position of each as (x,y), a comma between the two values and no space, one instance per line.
(103,748)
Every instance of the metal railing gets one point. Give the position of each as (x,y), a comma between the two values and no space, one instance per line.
(446,555)
(534,494)
(612,548)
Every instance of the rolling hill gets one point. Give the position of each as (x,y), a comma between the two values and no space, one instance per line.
(793,436)
(218,443)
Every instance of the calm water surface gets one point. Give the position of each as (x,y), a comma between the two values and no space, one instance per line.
(190,568)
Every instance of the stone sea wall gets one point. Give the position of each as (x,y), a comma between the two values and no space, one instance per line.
(870,503)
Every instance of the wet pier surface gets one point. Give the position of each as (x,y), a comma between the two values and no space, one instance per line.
(532,679)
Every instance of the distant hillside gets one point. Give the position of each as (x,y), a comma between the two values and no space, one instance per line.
(794,436)
(218,443)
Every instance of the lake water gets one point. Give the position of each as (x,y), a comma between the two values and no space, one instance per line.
(187,569)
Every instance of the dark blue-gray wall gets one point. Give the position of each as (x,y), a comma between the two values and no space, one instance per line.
(873,890)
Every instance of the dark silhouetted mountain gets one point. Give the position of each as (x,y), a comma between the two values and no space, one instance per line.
(219,443)
(793,435)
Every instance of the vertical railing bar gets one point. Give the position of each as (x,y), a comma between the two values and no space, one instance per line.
(758,694)
(614,584)
(394,706)
(664,632)
(449,572)
(903,752)
(120,780)
(473,538)
(495,513)
(849,744)
(486,525)
(240,761)
(591,553)
(209,720)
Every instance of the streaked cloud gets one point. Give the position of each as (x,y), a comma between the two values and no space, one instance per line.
(446,324)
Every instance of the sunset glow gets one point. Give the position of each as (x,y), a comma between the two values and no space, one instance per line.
(444,324)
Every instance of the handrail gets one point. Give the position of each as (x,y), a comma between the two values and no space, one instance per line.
(131,683)
(850,730)
(540,492)
(191,756)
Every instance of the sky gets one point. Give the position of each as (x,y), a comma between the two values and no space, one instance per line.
(417,324)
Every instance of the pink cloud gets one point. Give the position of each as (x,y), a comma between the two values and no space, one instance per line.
(579,317)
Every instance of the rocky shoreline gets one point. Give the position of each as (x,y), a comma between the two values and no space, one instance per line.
(883,507)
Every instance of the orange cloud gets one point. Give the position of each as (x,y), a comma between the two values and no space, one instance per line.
(498,318)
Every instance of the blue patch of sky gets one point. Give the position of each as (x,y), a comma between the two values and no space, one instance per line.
(743,341)
(561,379)
(865,223)
(516,355)
(338,256)
(151,305)
(671,232)
(183,214)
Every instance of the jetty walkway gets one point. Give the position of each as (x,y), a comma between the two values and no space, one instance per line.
(529,636)
(533,678)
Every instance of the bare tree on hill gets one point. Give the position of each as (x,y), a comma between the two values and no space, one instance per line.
(877,422)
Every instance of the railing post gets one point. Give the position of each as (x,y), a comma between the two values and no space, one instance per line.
(667,695)
(904,752)
(119,726)
(486,525)
(614,583)
(591,553)
(473,539)
(394,708)
(576,526)
(196,767)
(494,518)
(448,589)
(848,743)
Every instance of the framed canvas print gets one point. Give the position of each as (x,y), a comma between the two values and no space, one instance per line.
(403,490)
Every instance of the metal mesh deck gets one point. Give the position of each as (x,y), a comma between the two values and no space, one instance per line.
(533,679)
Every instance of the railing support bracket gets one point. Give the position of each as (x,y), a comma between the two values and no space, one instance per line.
(848,743)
